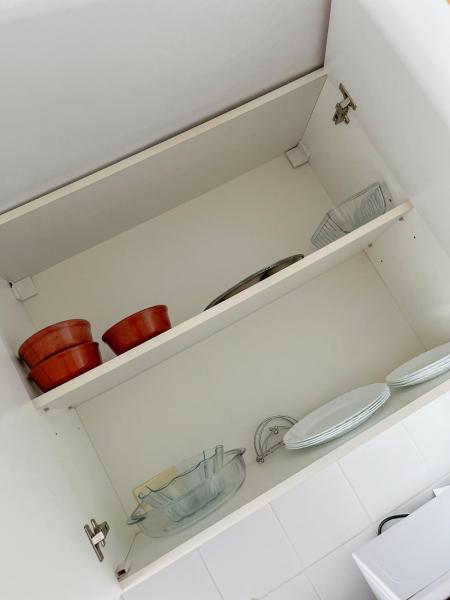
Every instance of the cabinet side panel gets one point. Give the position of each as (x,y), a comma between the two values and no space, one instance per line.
(44,553)
(416,269)
(342,156)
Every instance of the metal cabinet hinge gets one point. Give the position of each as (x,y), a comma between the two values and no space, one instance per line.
(342,107)
(97,536)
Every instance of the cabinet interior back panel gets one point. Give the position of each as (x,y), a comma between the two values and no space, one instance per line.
(52,228)
(187,256)
(339,331)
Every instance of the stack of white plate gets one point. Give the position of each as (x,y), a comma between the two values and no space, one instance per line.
(421,368)
(337,416)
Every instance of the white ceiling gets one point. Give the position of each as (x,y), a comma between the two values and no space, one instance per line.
(85,82)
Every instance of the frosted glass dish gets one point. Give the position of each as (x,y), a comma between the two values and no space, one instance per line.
(202,484)
(351,214)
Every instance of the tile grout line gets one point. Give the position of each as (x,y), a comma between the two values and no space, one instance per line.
(288,539)
(311,583)
(422,456)
(305,570)
(203,561)
(361,503)
(315,562)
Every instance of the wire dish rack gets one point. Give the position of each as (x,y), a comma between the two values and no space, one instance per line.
(269,435)
(351,214)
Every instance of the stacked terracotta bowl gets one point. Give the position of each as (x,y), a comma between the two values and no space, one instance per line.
(60,352)
(137,328)
(65,350)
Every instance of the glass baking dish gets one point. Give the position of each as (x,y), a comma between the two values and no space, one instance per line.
(202,484)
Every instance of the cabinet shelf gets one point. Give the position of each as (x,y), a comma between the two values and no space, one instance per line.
(281,472)
(205,324)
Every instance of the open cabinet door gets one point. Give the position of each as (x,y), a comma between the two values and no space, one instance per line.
(44,552)
(393,59)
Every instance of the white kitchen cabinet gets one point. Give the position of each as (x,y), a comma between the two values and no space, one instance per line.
(178,224)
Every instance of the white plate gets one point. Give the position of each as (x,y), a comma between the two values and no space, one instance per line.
(337,407)
(430,371)
(419,378)
(438,357)
(348,422)
(336,412)
(338,431)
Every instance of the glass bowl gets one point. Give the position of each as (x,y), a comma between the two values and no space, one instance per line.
(202,484)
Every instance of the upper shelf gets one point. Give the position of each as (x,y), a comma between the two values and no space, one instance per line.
(85,213)
(199,327)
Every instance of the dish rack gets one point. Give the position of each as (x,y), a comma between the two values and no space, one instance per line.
(269,435)
(351,214)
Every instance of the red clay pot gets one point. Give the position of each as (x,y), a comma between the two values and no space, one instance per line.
(66,365)
(54,339)
(137,328)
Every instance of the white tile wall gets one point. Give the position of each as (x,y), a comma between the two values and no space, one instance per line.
(298,588)
(299,548)
(337,577)
(386,471)
(251,558)
(320,514)
(186,578)
(430,430)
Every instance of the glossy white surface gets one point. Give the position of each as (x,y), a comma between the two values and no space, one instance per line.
(158,67)
(412,555)
(295,589)
(422,364)
(336,577)
(430,431)
(397,471)
(251,558)
(187,578)
(336,415)
(320,514)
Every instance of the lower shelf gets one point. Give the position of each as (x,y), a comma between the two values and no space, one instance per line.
(281,472)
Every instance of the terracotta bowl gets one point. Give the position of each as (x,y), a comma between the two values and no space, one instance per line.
(54,339)
(137,328)
(66,365)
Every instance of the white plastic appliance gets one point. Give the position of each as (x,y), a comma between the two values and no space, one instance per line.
(412,559)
